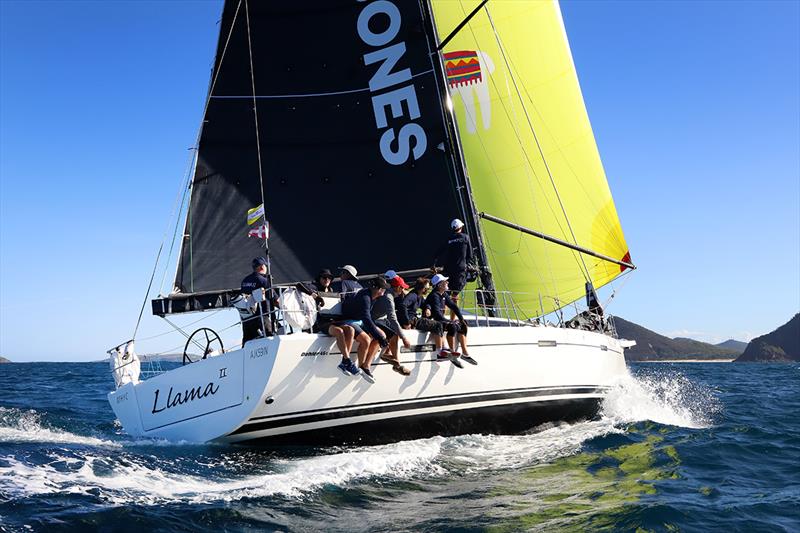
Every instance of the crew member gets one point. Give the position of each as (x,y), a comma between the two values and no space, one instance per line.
(349,285)
(436,301)
(384,314)
(357,312)
(407,307)
(322,283)
(453,257)
(259,323)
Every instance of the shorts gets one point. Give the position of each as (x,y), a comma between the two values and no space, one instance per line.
(457,281)
(322,324)
(355,324)
(454,327)
(386,330)
(428,325)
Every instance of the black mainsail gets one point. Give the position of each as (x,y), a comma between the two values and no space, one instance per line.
(351,131)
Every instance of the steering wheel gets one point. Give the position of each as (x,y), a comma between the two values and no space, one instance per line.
(203,343)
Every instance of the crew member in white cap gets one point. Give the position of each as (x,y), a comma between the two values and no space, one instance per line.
(453,257)
(349,284)
(436,301)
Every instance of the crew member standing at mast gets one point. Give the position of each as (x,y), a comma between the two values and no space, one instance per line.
(454,256)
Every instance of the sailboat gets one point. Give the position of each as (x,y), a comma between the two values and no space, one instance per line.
(360,129)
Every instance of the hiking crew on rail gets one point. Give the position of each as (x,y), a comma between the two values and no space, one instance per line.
(376,318)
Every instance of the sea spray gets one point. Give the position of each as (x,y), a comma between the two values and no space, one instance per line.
(663,397)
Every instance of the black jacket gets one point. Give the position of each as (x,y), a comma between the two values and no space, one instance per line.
(437,302)
(359,307)
(455,254)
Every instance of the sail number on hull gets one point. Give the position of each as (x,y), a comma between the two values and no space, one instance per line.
(410,139)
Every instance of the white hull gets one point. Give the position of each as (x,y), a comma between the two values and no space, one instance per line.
(287,389)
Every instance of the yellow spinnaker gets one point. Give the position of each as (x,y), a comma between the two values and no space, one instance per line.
(529,148)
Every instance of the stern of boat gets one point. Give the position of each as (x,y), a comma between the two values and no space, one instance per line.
(201,401)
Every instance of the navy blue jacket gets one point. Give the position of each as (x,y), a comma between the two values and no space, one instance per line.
(402,313)
(407,307)
(254,281)
(455,254)
(359,307)
(436,303)
(349,286)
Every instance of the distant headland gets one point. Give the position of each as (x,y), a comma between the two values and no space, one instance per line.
(779,346)
(650,346)
(4,360)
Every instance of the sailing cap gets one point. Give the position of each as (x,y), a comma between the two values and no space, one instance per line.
(325,273)
(456,223)
(397,281)
(390,274)
(437,279)
(350,269)
(379,283)
(259,261)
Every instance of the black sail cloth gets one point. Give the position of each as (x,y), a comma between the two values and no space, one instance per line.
(321,124)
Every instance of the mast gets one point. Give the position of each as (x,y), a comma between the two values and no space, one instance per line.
(456,155)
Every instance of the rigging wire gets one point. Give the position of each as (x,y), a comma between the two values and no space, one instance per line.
(536,139)
(529,168)
(147,293)
(182,189)
(212,84)
(182,194)
(255,119)
(308,95)
(157,335)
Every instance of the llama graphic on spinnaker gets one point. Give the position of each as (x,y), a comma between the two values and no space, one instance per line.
(467,74)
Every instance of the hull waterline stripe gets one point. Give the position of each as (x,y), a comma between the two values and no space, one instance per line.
(333,415)
(399,401)
(501,418)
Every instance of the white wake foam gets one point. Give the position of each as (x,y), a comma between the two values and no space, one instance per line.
(664,398)
(128,480)
(502,452)
(126,476)
(18,425)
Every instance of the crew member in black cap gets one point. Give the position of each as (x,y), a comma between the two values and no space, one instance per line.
(322,283)
(259,324)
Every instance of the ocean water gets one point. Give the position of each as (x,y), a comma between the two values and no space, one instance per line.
(689,447)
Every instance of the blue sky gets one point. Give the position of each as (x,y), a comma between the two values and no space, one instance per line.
(694,105)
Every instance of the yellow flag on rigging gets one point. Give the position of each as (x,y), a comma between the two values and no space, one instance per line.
(254,214)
